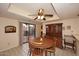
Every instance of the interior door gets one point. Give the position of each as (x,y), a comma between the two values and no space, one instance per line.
(55,30)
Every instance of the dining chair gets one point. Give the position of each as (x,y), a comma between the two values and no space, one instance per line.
(69,41)
(52,49)
(35,51)
(29,50)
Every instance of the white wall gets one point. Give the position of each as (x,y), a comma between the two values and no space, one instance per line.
(74,23)
(8,40)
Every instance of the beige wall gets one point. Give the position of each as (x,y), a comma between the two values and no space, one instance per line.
(74,23)
(8,40)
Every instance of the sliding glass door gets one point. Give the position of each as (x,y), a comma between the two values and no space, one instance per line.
(32,30)
(27,30)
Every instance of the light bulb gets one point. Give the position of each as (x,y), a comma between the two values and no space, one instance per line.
(42,17)
(41,39)
(39,17)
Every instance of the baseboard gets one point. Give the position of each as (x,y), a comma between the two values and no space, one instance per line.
(8,48)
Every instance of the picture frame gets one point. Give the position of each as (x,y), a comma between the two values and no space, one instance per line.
(10,29)
(69,27)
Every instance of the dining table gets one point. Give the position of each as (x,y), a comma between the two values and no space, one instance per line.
(41,43)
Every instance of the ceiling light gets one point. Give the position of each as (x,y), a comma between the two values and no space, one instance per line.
(39,17)
(42,17)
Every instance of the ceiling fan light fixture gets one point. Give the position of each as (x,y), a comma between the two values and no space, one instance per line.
(41,10)
(39,17)
(42,17)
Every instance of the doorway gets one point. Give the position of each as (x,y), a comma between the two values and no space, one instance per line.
(27,30)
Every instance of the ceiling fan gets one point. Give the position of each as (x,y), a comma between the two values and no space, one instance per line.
(41,15)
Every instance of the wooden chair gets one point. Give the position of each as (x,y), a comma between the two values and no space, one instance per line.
(35,51)
(69,41)
(29,51)
(52,49)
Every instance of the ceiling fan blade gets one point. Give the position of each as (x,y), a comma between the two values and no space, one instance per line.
(33,15)
(35,18)
(48,15)
(44,18)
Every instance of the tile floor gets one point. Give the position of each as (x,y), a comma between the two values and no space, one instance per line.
(23,51)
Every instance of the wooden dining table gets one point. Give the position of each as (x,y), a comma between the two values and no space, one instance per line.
(41,43)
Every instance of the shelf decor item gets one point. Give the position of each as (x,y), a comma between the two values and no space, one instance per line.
(10,29)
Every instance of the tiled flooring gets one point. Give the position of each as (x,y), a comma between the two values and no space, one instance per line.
(23,51)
